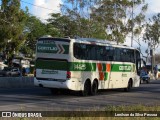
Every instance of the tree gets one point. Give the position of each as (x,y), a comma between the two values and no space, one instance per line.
(106,19)
(77,15)
(118,19)
(34,29)
(152,31)
(152,35)
(12,20)
(62,24)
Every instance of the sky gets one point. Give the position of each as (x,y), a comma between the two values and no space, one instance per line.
(54,6)
(45,7)
(42,8)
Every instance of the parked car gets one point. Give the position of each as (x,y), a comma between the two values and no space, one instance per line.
(10,71)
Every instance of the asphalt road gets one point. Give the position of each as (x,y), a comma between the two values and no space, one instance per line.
(40,99)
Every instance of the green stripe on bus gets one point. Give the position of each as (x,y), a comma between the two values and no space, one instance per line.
(53,65)
(104,67)
(81,66)
(78,66)
(105,76)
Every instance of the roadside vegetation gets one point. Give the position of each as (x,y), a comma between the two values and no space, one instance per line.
(110,112)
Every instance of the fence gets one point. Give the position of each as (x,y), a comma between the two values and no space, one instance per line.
(16,82)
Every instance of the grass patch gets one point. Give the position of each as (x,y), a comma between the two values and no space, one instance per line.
(108,113)
(133,108)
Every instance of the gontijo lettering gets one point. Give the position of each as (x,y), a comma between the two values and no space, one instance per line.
(47,48)
(124,67)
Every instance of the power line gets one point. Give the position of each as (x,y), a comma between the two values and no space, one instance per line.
(37,5)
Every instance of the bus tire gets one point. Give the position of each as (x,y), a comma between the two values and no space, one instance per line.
(94,88)
(129,86)
(87,88)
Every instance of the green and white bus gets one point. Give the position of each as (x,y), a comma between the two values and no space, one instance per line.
(85,65)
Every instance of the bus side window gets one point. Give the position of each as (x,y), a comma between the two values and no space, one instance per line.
(117,54)
(79,51)
(105,56)
(123,55)
(112,53)
(76,50)
(101,53)
(129,55)
(90,52)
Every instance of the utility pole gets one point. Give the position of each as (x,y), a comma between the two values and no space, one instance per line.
(132,23)
(116,27)
(151,54)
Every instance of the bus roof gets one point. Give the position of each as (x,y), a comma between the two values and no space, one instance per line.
(54,38)
(87,40)
(102,42)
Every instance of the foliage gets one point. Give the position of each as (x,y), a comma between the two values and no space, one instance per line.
(118,18)
(152,31)
(75,20)
(111,20)
(68,26)
(62,24)
(12,20)
(34,29)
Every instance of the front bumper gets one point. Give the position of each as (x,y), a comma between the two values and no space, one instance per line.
(145,78)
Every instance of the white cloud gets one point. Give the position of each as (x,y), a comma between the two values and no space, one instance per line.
(53,6)
(153,7)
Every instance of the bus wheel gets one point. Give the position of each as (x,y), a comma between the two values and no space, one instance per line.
(94,89)
(87,88)
(128,87)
